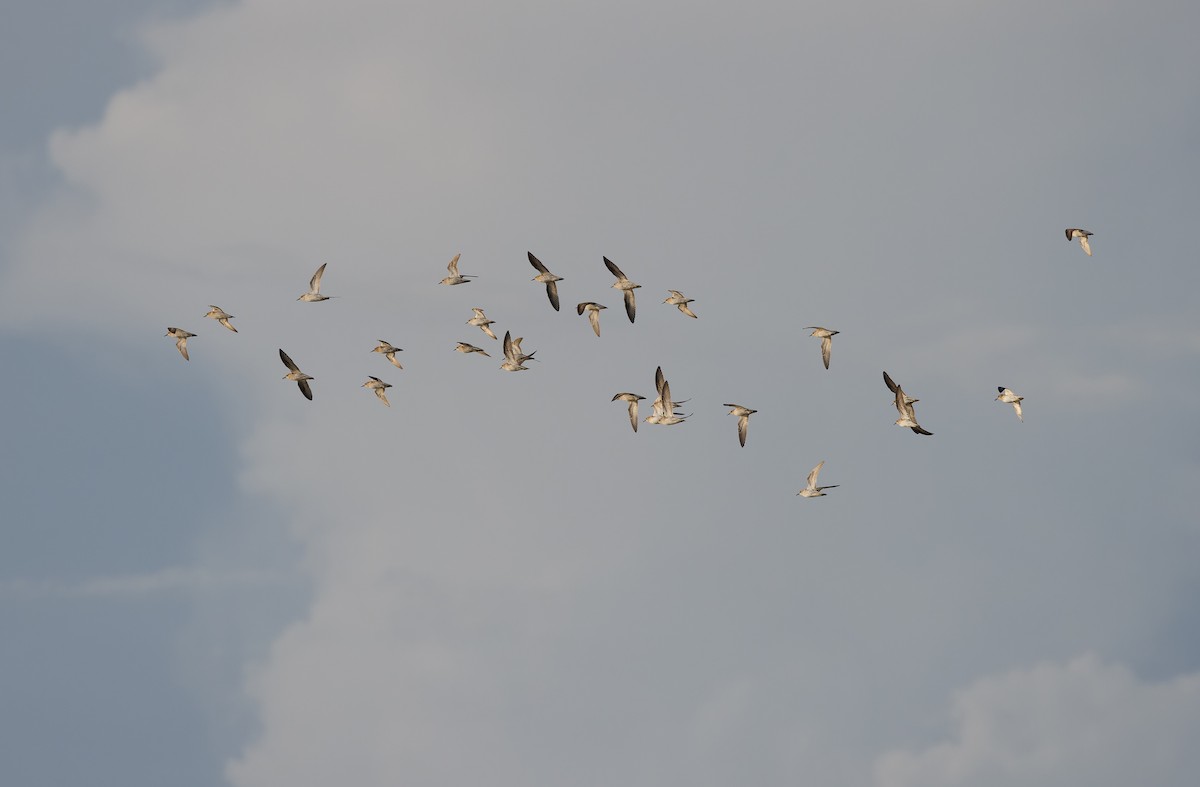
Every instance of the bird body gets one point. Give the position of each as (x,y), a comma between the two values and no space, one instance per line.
(389,352)
(593,310)
(463,347)
(677,299)
(1074,233)
(546,277)
(812,490)
(625,286)
(379,387)
(633,400)
(904,406)
(180,336)
(300,378)
(1008,397)
(216,313)
(314,287)
(455,277)
(826,337)
(481,321)
(743,414)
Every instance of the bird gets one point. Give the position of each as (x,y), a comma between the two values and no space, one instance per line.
(521,356)
(743,414)
(216,313)
(463,347)
(481,320)
(826,337)
(1082,235)
(593,310)
(314,287)
(180,336)
(513,358)
(625,286)
(812,490)
(454,277)
(677,299)
(633,400)
(904,405)
(389,352)
(1008,397)
(301,379)
(664,408)
(379,387)
(546,277)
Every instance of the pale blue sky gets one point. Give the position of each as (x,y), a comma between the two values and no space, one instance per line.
(207,579)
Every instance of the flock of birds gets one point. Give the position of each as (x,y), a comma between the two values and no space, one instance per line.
(664,408)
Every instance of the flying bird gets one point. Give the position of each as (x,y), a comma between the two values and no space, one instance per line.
(513,359)
(389,352)
(180,336)
(379,387)
(454,277)
(300,378)
(593,310)
(546,277)
(314,287)
(826,337)
(1074,233)
(625,286)
(482,322)
(664,408)
(633,400)
(677,299)
(463,347)
(904,405)
(812,490)
(743,414)
(216,313)
(1008,397)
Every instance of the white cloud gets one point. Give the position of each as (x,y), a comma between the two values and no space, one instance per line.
(1080,724)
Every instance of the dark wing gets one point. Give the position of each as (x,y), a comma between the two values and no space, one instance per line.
(613,269)
(552,293)
(535,262)
(630,305)
(305,389)
(890,384)
(289,363)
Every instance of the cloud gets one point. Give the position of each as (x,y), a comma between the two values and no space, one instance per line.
(1084,723)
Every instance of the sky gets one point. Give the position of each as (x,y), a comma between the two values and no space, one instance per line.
(206,579)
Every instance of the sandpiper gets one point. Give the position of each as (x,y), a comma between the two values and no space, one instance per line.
(218,314)
(826,337)
(593,310)
(180,336)
(463,347)
(633,400)
(1008,397)
(379,387)
(1074,233)
(389,352)
(482,322)
(904,405)
(300,378)
(743,414)
(546,277)
(677,299)
(454,277)
(625,286)
(314,287)
(812,490)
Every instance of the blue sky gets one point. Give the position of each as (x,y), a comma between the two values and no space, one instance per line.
(209,579)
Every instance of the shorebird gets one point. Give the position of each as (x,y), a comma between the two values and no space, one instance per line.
(633,400)
(512,355)
(482,322)
(463,347)
(664,408)
(314,287)
(454,277)
(1082,235)
(743,414)
(1008,397)
(521,356)
(180,336)
(677,299)
(379,387)
(389,352)
(300,378)
(812,490)
(904,405)
(826,337)
(546,277)
(625,286)
(593,310)
(216,313)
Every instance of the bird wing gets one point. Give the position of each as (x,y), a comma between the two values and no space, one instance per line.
(289,363)
(1087,247)
(453,266)
(594,319)
(613,269)
(826,349)
(535,262)
(812,474)
(890,384)
(630,305)
(305,389)
(552,293)
(314,284)
(743,425)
